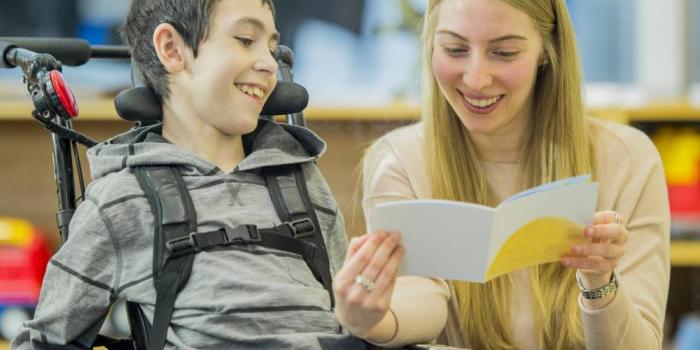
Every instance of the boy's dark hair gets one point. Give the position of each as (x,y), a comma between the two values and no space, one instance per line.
(191,18)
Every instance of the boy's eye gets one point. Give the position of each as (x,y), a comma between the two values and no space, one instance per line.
(245,41)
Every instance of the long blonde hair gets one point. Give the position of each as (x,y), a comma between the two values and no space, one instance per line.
(557,145)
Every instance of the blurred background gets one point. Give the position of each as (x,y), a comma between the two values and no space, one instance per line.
(359,60)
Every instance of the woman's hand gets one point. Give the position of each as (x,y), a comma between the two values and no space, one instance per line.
(364,284)
(597,260)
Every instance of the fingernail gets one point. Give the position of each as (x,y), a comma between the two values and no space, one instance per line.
(576,249)
(566,261)
(588,232)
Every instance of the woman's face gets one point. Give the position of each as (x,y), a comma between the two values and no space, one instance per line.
(485,59)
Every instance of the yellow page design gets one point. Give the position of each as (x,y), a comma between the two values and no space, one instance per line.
(542,240)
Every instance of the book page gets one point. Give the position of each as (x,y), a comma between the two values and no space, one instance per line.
(540,227)
(445,239)
(547,187)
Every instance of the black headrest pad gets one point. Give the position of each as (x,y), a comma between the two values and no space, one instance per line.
(141,104)
(138,104)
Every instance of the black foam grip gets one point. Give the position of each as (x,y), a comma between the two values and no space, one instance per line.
(4,50)
(71,52)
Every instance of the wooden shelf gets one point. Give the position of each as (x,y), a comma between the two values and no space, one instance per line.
(681,111)
(92,110)
(15,109)
(685,253)
(103,109)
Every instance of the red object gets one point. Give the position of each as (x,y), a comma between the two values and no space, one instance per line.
(22,271)
(684,199)
(65,96)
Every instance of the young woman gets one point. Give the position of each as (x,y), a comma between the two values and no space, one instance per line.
(503,112)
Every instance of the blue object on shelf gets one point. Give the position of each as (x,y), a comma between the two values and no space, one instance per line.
(95,34)
(688,335)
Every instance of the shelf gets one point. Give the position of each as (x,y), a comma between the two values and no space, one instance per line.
(677,112)
(103,109)
(98,109)
(685,253)
(92,110)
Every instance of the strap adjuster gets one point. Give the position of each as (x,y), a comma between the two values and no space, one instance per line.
(183,245)
(301,228)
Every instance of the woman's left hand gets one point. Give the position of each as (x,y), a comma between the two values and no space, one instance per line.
(597,260)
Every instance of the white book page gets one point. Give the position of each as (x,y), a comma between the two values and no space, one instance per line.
(445,239)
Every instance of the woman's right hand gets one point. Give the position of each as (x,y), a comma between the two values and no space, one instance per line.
(364,285)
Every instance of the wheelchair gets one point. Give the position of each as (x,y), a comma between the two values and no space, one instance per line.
(55,107)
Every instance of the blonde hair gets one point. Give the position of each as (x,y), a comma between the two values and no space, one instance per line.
(557,145)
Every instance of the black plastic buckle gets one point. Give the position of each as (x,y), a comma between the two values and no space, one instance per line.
(301,228)
(235,235)
(181,246)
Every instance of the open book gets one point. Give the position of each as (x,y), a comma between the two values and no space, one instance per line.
(470,242)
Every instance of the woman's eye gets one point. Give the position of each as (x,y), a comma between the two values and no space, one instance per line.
(506,54)
(455,51)
(245,41)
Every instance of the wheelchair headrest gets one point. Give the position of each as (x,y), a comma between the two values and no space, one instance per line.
(140,104)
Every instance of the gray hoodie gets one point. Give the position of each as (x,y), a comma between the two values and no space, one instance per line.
(241,297)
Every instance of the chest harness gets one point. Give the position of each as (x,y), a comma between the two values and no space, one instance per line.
(176,240)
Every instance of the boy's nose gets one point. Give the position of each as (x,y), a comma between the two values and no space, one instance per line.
(266,63)
(477,75)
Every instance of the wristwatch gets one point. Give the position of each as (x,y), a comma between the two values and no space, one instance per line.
(594,294)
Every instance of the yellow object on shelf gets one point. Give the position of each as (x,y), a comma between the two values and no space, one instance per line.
(685,253)
(15,232)
(680,152)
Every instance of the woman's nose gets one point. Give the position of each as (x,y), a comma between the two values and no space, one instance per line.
(477,75)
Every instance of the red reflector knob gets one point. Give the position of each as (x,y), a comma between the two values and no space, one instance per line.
(63,93)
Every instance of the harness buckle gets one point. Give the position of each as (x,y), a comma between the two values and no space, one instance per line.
(183,245)
(301,228)
(242,234)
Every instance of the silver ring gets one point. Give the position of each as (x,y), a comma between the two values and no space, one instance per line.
(365,282)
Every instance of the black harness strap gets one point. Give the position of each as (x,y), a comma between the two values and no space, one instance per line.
(174,218)
(292,202)
(176,239)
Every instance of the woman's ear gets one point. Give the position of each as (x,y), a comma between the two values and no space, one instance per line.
(170,48)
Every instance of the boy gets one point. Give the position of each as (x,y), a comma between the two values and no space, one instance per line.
(210,63)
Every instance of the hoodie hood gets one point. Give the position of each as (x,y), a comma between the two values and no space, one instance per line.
(269,144)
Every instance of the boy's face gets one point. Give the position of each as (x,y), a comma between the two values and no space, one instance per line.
(235,71)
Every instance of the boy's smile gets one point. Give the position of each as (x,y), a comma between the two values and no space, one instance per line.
(255,91)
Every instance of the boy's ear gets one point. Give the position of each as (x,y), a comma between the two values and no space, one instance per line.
(170,48)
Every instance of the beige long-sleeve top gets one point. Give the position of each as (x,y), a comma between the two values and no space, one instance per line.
(631,182)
